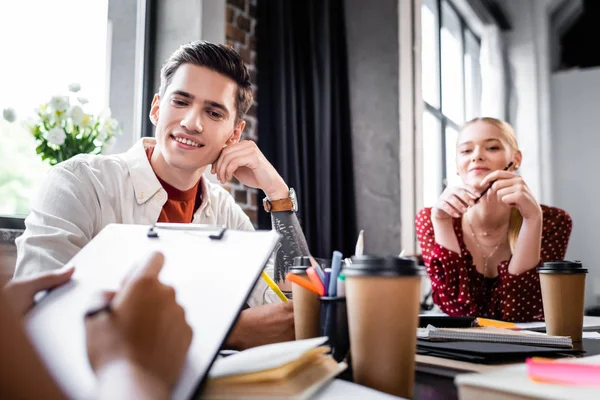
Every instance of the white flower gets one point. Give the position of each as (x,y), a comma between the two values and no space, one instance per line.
(86,121)
(109,126)
(9,115)
(113,123)
(60,103)
(109,144)
(30,123)
(74,87)
(82,100)
(102,135)
(76,113)
(56,136)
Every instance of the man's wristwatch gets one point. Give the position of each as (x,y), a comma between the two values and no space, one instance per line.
(287,204)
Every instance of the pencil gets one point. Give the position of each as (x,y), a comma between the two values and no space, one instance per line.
(273,286)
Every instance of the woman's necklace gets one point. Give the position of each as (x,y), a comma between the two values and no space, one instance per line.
(480,247)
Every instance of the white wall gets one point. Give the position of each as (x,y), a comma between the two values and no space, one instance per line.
(576,163)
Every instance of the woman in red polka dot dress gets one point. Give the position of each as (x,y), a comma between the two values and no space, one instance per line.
(481,254)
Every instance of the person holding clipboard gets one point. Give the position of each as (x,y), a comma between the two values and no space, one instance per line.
(205,92)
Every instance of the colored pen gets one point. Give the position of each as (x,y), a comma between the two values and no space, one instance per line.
(326,281)
(314,278)
(306,284)
(341,286)
(317,266)
(273,286)
(336,265)
(320,272)
(360,244)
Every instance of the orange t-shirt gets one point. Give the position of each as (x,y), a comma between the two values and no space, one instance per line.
(180,205)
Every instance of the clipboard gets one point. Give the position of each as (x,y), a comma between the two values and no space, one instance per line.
(212,279)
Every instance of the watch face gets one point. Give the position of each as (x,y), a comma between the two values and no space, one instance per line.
(293,198)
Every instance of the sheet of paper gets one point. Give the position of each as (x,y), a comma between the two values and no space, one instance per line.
(589,324)
(263,357)
(212,281)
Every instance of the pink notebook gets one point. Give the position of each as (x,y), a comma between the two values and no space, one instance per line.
(569,373)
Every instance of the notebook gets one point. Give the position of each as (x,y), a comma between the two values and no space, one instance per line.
(496,335)
(487,352)
(212,278)
(290,370)
(514,382)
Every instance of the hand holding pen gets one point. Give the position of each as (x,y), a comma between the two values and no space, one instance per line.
(456,200)
(510,189)
(141,323)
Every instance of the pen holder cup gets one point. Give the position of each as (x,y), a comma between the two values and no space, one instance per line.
(334,325)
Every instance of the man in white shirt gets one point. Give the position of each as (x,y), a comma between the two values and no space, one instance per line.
(198,113)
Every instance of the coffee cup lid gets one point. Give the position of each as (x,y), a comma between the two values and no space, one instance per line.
(367,265)
(302,263)
(562,267)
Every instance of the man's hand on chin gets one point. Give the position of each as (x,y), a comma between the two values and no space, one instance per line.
(270,323)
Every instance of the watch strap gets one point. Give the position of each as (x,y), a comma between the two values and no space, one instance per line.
(278,205)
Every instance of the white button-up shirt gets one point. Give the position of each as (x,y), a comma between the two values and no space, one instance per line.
(82,195)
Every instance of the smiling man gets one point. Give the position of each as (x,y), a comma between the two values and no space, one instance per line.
(198,112)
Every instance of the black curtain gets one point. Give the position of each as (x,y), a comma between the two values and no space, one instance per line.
(304,115)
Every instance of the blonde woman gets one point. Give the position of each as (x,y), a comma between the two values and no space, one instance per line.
(481,246)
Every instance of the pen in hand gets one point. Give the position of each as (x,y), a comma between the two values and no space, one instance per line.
(490,185)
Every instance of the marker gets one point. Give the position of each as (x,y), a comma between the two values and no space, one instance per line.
(306,284)
(326,281)
(336,264)
(341,286)
(314,278)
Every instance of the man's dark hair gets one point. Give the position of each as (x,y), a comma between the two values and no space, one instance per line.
(217,57)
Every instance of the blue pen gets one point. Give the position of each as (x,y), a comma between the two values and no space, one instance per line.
(327,272)
(321,274)
(336,264)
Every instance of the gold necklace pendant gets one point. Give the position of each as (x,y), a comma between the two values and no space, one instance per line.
(479,247)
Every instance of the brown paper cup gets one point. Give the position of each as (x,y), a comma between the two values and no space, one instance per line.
(306,312)
(563,297)
(563,294)
(383,316)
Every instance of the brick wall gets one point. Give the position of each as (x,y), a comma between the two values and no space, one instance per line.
(241,25)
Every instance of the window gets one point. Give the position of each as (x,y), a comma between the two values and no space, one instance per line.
(451,88)
(62,42)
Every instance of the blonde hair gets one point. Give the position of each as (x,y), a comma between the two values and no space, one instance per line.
(516,219)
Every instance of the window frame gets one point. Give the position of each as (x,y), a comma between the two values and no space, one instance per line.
(146,44)
(438,113)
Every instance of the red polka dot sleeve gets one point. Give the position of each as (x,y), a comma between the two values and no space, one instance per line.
(460,290)
(446,269)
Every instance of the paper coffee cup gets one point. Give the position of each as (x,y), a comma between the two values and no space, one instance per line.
(382,296)
(563,295)
(306,303)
